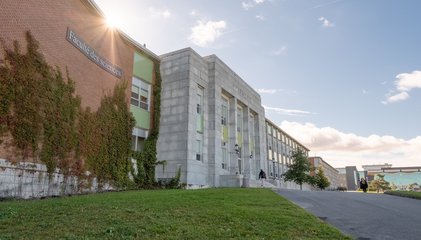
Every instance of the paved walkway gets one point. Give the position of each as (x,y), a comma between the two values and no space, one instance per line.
(363,215)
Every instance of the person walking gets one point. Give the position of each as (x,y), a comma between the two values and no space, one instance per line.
(262,176)
(363,185)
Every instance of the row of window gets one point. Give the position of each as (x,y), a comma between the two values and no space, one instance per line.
(277,134)
(140,97)
(275,170)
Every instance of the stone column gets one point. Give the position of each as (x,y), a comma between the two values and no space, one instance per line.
(232,129)
(246,142)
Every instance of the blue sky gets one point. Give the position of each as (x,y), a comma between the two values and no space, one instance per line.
(342,76)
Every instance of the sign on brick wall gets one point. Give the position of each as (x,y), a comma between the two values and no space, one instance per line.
(76,41)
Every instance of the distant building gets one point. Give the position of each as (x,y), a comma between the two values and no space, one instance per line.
(280,147)
(402,178)
(330,172)
(372,170)
(351,176)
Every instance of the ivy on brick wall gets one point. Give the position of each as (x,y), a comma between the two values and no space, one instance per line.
(39,110)
(146,159)
(113,123)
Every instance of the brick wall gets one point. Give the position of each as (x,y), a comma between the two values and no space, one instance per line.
(48,21)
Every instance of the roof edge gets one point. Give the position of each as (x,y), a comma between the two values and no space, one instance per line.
(126,37)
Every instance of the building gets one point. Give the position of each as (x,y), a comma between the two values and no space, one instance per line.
(350,176)
(213,126)
(372,170)
(73,35)
(280,147)
(330,172)
(212,122)
(401,178)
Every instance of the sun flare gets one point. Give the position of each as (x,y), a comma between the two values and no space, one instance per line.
(111,21)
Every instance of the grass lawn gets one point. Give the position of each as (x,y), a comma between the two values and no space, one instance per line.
(168,214)
(416,195)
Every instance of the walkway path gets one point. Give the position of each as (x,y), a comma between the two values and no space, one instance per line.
(363,215)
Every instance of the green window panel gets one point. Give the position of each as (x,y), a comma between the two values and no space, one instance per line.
(225,133)
(142,117)
(240,139)
(199,123)
(143,67)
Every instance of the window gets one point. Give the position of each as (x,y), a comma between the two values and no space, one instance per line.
(274,167)
(251,134)
(239,130)
(199,122)
(199,109)
(269,128)
(224,114)
(140,96)
(224,157)
(224,133)
(135,96)
(138,138)
(137,143)
(198,149)
(239,119)
(199,102)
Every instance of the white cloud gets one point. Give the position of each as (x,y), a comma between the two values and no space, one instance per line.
(365,92)
(325,22)
(268,91)
(279,51)
(405,82)
(290,112)
(193,13)
(260,17)
(204,34)
(408,81)
(247,6)
(348,149)
(250,4)
(159,13)
(398,97)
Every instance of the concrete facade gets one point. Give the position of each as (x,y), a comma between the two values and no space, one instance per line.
(211,124)
(280,147)
(350,176)
(330,172)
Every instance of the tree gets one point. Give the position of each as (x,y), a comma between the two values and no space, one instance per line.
(393,186)
(298,170)
(320,180)
(379,184)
